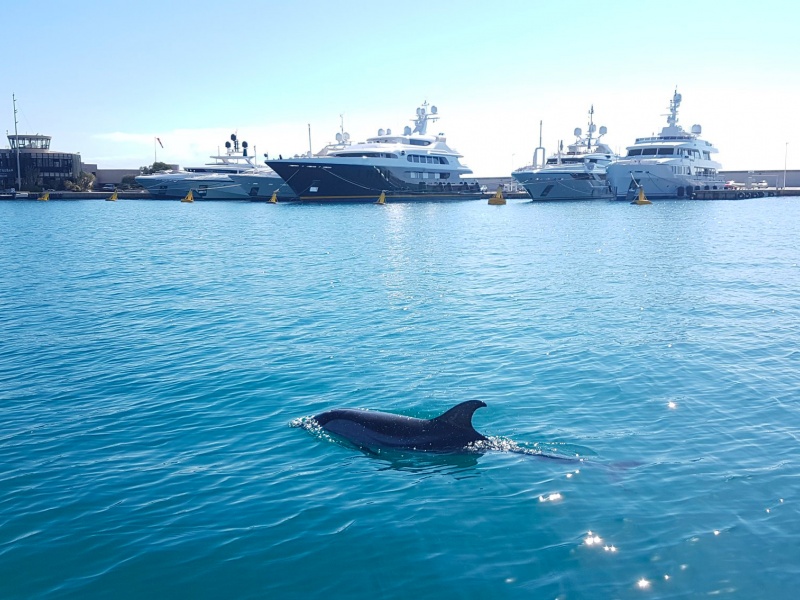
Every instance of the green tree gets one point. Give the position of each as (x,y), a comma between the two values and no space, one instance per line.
(84,183)
(129,181)
(155,168)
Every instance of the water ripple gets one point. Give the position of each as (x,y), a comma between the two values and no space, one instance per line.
(154,354)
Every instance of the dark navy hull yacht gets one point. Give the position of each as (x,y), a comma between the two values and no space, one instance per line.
(411,167)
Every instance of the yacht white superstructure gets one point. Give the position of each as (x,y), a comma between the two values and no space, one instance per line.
(577,174)
(673,164)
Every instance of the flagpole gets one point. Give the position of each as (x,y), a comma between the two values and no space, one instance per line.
(155,151)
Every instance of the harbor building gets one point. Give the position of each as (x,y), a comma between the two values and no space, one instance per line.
(39,166)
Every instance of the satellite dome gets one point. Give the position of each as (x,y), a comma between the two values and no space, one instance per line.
(388,132)
(603,130)
(697,130)
(434,110)
(381,132)
(338,137)
(407,130)
(577,132)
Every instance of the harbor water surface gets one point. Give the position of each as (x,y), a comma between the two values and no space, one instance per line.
(154,356)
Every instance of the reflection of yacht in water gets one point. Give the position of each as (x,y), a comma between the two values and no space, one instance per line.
(673,164)
(577,174)
(409,167)
(212,181)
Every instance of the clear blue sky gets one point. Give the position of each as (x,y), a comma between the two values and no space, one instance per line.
(104,78)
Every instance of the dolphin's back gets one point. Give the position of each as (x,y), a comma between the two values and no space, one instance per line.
(450,431)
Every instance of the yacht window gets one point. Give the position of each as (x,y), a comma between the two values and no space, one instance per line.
(635,152)
(419,142)
(649,151)
(430,160)
(665,151)
(707,155)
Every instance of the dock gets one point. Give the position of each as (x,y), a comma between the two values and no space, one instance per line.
(743,193)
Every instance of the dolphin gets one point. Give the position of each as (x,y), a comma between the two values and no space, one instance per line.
(449,432)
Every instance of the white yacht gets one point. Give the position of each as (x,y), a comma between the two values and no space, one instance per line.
(577,174)
(673,164)
(413,166)
(213,180)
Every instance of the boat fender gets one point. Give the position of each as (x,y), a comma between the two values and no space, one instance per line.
(740,195)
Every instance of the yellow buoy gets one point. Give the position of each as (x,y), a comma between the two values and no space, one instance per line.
(189,197)
(498,198)
(641,198)
(274,199)
(112,197)
(381,198)
(45,197)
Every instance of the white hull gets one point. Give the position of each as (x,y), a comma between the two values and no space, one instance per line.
(220,187)
(256,185)
(564,186)
(658,180)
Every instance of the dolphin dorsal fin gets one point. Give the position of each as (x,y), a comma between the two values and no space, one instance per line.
(460,415)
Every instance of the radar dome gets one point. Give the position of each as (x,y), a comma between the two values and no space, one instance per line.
(434,110)
(407,130)
(388,132)
(697,130)
(338,137)
(678,97)
(346,136)
(381,132)
(233,137)
(244,144)
(577,132)
(227,144)
(603,130)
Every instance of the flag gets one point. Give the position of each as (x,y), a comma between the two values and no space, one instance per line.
(159,142)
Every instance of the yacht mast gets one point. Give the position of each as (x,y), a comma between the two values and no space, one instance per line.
(536,165)
(16,142)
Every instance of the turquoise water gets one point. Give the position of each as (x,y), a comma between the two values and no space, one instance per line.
(155,354)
